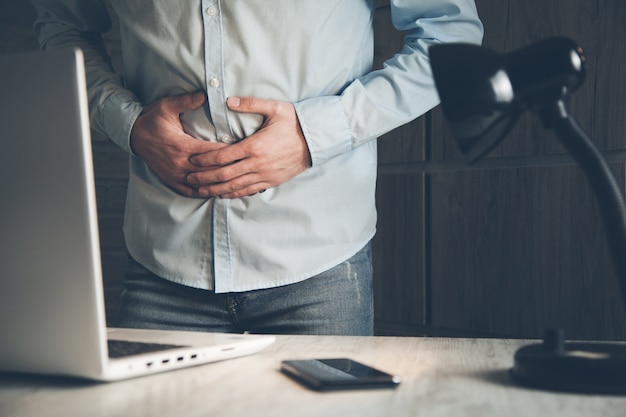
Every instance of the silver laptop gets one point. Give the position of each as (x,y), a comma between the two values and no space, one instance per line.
(52,315)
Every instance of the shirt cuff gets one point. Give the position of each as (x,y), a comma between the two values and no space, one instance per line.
(325,127)
(119,113)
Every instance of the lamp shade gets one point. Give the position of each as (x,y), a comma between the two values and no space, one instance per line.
(483,92)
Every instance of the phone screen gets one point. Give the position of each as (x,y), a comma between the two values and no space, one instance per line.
(339,373)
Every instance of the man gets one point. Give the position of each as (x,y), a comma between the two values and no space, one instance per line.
(251,128)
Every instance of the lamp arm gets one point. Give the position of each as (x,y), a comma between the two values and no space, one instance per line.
(602,181)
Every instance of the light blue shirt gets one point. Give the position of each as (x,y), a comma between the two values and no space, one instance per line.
(316,54)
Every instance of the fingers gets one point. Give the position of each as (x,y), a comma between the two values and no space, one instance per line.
(271,109)
(245,185)
(254,105)
(184,102)
(224,173)
(159,138)
(269,157)
(273,155)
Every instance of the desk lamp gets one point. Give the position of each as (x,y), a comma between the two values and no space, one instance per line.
(482,95)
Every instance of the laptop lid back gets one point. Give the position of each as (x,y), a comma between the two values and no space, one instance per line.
(51,305)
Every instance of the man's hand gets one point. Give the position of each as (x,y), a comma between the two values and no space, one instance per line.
(158,138)
(269,157)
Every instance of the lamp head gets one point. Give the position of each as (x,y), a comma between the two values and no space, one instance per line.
(483,92)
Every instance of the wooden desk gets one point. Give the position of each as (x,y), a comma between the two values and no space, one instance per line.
(441,377)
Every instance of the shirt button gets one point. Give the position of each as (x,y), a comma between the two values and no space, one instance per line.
(214,82)
(228,139)
(211,11)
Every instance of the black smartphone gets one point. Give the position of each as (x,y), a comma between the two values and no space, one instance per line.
(337,374)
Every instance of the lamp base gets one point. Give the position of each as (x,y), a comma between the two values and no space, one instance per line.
(582,367)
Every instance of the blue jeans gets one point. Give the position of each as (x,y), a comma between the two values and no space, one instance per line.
(336,302)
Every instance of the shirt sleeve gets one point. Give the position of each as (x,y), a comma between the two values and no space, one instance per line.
(396,94)
(80,23)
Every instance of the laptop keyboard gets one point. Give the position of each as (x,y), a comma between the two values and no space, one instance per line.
(122,348)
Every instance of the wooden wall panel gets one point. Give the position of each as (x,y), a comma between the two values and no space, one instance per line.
(517,244)
(515,250)
(399,247)
(399,252)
